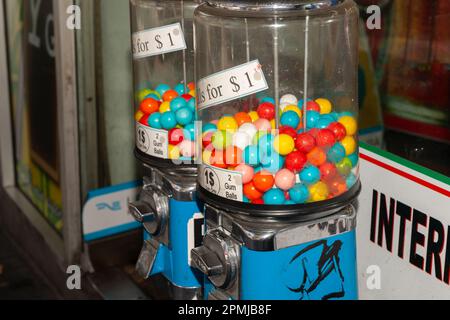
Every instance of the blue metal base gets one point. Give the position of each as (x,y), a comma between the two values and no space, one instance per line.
(172,261)
(318,270)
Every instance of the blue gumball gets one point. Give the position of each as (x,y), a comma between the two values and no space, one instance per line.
(209,127)
(184,116)
(299,193)
(268,99)
(354,158)
(274,197)
(189,132)
(289,203)
(245,199)
(334,115)
(179,88)
(162,88)
(154,121)
(265,145)
(177,104)
(351,180)
(346,114)
(301,102)
(290,119)
(272,162)
(312,118)
(153,96)
(191,105)
(251,156)
(325,121)
(168,120)
(310,175)
(336,153)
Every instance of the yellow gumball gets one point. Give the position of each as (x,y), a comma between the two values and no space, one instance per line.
(319,192)
(138,116)
(273,124)
(174,152)
(325,106)
(227,124)
(206,157)
(143,93)
(349,144)
(293,108)
(253,115)
(283,144)
(192,93)
(350,124)
(164,107)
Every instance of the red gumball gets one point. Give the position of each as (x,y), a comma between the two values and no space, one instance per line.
(186,97)
(289,131)
(258,201)
(251,192)
(312,106)
(305,142)
(266,110)
(327,171)
(207,139)
(176,136)
(338,130)
(325,138)
(287,196)
(314,132)
(144,120)
(295,161)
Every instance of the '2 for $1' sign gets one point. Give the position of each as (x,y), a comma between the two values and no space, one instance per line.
(231,84)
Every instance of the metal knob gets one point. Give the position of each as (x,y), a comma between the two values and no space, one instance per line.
(141,211)
(206,261)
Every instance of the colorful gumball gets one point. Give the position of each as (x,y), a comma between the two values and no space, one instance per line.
(263,181)
(174,152)
(327,171)
(290,119)
(272,162)
(249,128)
(169,95)
(184,116)
(325,138)
(258,201)
(283,144)
(324,122)
(206,156)
(265,143)
(354,158)
(336,153)
(299,193)
(227,123)
(209,127)
(162,88)
(344,167)
(313,106)
(285,179)
(310,175)
(253,115)
(305,142)
(350,124)
(274,197)
(164,107)
(149,106)
(293,108)
(268,99)
(338,130)
(144,119)
(317,156)
(251,192)
(189,132)
(176,136)
(325,106)
(221,139)
(191,86)
(180,89)
(217,159)
(168,120)
(187,148)
(349,144)
(289,99)
(154,120)
(241,140)
(263,124)
(266,111)
(191,105)
(247,172)
(319,192)
(289,131)
(143,93)
(312,118)
(351,180)
(242,117)
(177,103)
(139,114)
(233,156)
(251,156)
(337,186)
(295,161)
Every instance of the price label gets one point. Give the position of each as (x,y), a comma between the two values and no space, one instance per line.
(224,183)
(157,41)
(152,141)
(231,84)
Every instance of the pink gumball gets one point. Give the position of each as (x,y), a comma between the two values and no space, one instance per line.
(263,124)
(187,148)
(247,172)
(285,179)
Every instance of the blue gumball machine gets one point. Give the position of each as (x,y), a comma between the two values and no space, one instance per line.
(162,51)
(277,94)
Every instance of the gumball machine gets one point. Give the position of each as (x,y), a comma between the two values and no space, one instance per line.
(277,97)
(163,59)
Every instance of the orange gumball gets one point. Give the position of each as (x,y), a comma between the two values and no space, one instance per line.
(263,181)
(217,159)
(149,106)
(337,186)
(169,95)
(191,86)
(317,157)
(251,192)
(242,117)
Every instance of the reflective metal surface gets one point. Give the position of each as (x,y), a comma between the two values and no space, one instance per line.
(147,258)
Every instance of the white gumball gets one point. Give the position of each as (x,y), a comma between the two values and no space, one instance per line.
(241,140)
(289,99)
(249,129)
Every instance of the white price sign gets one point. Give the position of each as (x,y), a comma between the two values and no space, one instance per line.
(231,84)
(157,41)
(224,183)
(152,141)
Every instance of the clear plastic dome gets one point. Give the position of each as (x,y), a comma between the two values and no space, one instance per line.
(277,97)
(163,63)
